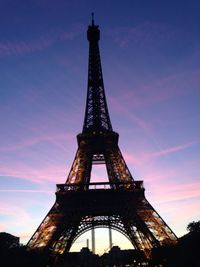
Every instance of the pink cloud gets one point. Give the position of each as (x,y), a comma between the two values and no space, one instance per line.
(144,156)
(161,90)
(57,173)
(119,107)
(53,138)
(18,220)
(187,210)
(18,213)
(132,159)
(176,200)
(178,216)
(179,211)
(50,173)
(26,191)
(153,174)
(167,151)
(167,192)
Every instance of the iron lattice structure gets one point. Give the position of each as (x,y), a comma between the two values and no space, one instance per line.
(119,203)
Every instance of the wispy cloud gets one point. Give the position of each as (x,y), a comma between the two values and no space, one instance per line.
(16,212)
(26,191)
(17,220)
(178,202)
(25,143)
(144,156)
(170,150)
(8,48)
(167,192)
(119,107)
(143,34)
(156,91)
(41,175)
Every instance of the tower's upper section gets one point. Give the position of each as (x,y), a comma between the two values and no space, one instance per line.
(93,32)
(96,113)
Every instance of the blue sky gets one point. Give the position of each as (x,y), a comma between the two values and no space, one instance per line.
(151,66)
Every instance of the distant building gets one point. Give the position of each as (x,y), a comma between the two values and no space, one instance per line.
(117,257)
(84,258)
(8,241)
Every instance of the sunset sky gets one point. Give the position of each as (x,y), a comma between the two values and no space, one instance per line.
(150,52)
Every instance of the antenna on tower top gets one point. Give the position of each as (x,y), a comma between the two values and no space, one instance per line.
(92,18)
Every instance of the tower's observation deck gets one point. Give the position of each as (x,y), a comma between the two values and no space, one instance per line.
(135,186)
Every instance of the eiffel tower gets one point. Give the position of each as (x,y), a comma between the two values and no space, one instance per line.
(118,204)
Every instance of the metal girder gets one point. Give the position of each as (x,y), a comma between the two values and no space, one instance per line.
(99,148)
(116,166)
(125,210)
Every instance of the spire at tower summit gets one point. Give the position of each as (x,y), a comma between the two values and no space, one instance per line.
(92,18)
(93,32)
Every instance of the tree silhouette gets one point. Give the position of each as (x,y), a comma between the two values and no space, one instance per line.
(184,254)
(194,227)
